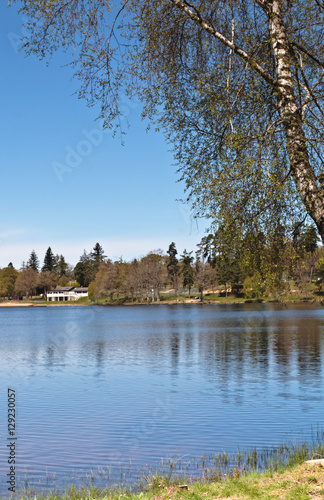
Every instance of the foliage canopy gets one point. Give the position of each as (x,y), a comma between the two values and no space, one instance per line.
(237,85)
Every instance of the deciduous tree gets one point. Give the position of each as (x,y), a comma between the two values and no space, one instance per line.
(237,86)
(26,282)
(104,284)
(46,280)
(8,276)
(153,271)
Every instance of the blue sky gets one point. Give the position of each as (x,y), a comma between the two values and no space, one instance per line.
(67,185)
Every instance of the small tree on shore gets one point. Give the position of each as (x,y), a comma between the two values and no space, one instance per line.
(46,280)
(26,282)
(8,276)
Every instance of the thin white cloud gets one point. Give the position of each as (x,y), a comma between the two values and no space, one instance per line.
(11,233)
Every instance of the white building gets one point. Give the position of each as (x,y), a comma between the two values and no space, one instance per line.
(66,293)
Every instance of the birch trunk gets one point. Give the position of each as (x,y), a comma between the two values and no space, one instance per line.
(311,193)
(310,189)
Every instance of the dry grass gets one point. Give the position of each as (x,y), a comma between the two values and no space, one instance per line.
(303,482)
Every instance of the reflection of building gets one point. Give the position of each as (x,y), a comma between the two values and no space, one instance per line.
(65,293)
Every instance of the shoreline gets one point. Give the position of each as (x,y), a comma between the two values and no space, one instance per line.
(164,302)
(299,481)
(33,304)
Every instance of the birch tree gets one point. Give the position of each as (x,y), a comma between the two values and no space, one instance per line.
(237,86)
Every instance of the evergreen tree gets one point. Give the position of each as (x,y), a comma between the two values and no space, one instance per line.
(97,256)
(33,262)
(187,270)
(62,266)
(59,265)
(223,254)
(48,260)
(224,271)
(56,259)
(173,267)
(309,239)
(204,248)
(84,270)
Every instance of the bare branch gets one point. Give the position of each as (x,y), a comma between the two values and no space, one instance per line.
(302,49)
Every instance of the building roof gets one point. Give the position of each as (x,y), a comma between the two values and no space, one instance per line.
(68,289)
(63,288)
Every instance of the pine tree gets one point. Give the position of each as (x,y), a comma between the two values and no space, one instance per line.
(97,256)
(48,260)
(84,270)
(61,266)
(33,262)
(173,267)
(187,270)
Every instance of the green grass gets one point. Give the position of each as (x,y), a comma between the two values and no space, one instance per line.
(169,297)
(297,483)
(254,474)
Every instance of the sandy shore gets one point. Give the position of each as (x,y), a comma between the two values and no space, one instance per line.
(16,304)
(38,304)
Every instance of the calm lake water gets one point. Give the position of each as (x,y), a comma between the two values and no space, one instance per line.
(98,388)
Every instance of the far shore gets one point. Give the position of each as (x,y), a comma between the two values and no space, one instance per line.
(39,304)
(173,302)
(298,481)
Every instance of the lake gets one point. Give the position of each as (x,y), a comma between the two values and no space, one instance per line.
(109,389)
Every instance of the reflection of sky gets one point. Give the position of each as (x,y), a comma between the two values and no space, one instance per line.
(106,385)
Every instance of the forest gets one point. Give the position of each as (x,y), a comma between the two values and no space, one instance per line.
(259,266)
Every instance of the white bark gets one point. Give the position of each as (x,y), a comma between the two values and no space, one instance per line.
(308,186)
(301,169)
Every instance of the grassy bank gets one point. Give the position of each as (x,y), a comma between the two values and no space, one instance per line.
(168,301)
(167,296)
(283,472)
(172,300)
(300,482)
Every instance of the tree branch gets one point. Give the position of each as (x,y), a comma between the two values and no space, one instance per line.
(237,50)
(311,56)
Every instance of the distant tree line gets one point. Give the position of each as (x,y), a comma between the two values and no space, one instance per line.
(255,266)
